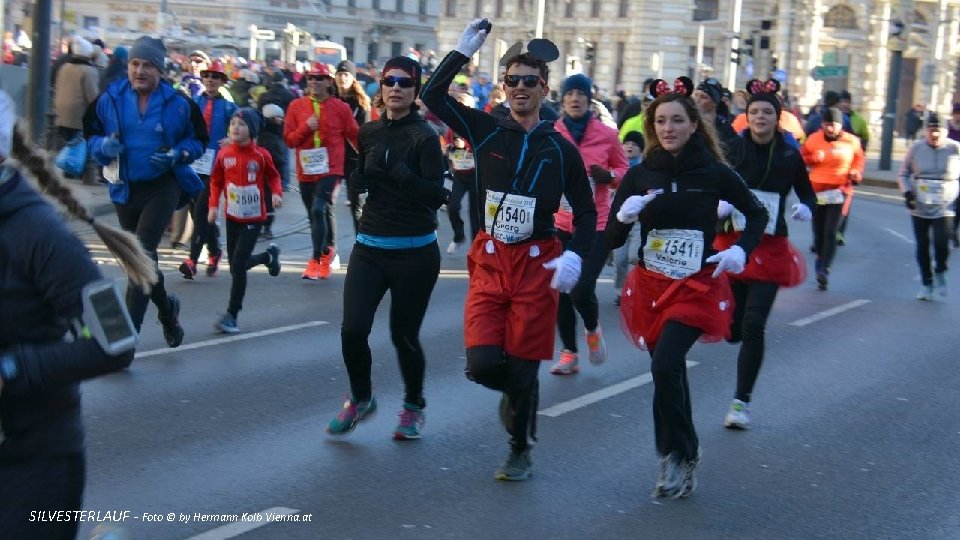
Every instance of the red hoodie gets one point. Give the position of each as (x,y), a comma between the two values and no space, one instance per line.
(336,125)
(243,172)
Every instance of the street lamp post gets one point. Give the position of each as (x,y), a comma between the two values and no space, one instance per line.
(38,93)
(896,44)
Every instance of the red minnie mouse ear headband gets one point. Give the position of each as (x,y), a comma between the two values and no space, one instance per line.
(756,86)
(681,85)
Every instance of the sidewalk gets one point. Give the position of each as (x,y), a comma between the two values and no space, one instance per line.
(873,176)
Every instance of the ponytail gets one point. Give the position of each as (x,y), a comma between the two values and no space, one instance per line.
(140,269)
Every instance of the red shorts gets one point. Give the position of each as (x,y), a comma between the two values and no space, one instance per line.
(650,300)
(509,302)
(775,260)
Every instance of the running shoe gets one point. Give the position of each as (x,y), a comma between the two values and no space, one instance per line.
(670,481)
(273,265)
(213,264)
(516,468)
(350,415)
(738,417)
(940,282)
(325,262)
(926,293)
(689,468)
(822,281)
(227,324)
(172,331)
(312,271)
(566,365)
(597,346)
(188,268)
(452,247)
(411,423)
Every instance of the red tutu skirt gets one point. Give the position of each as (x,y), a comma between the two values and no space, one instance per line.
(775,260)
(649,300)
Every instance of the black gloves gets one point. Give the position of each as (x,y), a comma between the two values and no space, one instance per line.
(600,175)
(910,200)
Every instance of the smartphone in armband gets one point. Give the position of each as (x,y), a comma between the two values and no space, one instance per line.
(106,317)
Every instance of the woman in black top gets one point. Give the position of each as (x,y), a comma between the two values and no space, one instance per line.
(675,295)
(401,170)
(771,169)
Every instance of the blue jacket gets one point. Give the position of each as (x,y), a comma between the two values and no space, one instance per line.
(180,125)
(220,119)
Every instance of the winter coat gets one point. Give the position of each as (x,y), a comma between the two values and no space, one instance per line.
(932,174)
(336,127)
(78,84)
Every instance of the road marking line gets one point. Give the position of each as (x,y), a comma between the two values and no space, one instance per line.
(829,313)
(600,395)
(242,527)
(898,235)
(219,341)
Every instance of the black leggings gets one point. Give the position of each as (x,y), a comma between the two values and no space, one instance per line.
(518,379)
(41,483)
(583,297)
(752,307)
(826,221)
(318,200)
(672,412)
(146,214)
(941,246)
(241,239)
(409,275)
(204,232)
(463,184)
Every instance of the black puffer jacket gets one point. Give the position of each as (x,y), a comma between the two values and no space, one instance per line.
(43,268)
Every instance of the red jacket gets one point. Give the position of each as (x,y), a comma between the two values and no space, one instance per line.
(600,146)
(336,125)
(243,173)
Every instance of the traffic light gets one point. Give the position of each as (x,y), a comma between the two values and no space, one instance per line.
(588,51)
(749,50)
(735,58)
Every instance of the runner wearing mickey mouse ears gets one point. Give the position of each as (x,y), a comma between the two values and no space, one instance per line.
(771,166)
(517,265)
(679,291)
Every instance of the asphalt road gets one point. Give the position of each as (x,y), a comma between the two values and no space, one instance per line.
(855,419)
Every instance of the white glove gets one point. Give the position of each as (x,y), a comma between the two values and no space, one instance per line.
(631,208)
(472,39)
(724,209)
(730,260)
(801,212)
(566,271)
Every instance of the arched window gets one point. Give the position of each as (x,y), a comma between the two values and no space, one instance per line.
(840,16)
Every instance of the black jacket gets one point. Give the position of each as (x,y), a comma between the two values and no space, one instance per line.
(786,171)
(541,164)
(693,183)
(43,268)
(271,138)
(402,203)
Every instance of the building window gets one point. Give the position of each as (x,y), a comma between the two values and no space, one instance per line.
(396,48)
(350,45)
(568,8)
(595,9)
(618,73)
(373,52)
(499,11)
(451,8)
(419,48)
(147,26)
(422,7)
(918,23)
(706,10)
(840,16)
(118,21)
(91,22)
(624,10)
(375,4)
(478,8)
(399,6)
(351,3)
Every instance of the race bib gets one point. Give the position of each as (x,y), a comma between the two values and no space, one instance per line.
(315,161)
(509,217)
(565,204)
(830,196)
(204,164)
(770,201)
(111,172)
(930,191)
(675,253)
(462,160)
(243,202)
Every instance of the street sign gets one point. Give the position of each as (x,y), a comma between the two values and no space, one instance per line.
(265,35)
(821,73)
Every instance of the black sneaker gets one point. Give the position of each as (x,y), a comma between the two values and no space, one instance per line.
(516,468)
(172,331)
(689,477)
(273,265)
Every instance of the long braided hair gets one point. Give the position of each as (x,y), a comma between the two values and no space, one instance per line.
(124,246)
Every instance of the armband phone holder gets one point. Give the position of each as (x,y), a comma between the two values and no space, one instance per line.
(106,318)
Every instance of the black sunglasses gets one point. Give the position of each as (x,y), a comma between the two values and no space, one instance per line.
(403,82)
(529,81)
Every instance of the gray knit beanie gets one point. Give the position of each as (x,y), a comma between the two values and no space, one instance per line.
(150,49)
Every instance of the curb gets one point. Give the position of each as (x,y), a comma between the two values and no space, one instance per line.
(880,182)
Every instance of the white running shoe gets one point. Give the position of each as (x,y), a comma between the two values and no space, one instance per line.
(739,415)
(452,247)
(940,282)
(926,293)
(596,346)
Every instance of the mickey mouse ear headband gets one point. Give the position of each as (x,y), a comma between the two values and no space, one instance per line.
(544,49)
(681,85)
(756,86)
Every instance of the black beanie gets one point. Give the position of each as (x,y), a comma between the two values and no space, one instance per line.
(252,118)
(407,65)
(832,114)
(635,137)
(766,97)
(830,99)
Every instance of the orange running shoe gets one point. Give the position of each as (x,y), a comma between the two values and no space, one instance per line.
(312,272)
(566,365)
(325,261)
